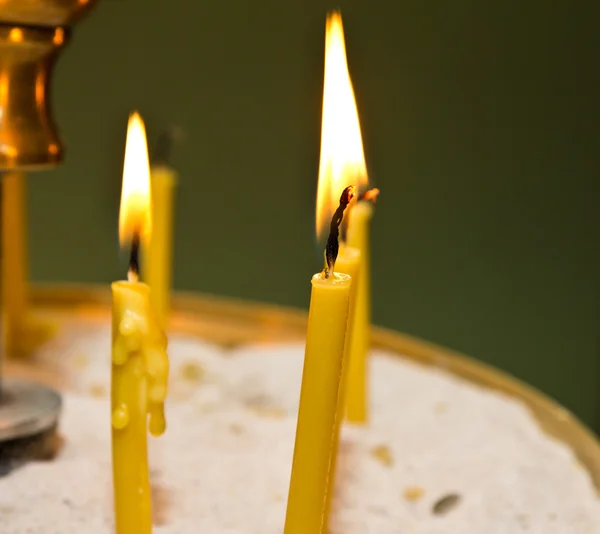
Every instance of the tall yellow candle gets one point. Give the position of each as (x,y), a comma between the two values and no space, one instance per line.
(319,395)
(357,394)
(342,163)
(348,262)
(318,404)
(159,258)
(23,332)
(140,365)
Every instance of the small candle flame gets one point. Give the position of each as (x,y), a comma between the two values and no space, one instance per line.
(342,160)
(135,215)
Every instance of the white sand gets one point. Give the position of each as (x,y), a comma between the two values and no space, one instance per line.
(223,465)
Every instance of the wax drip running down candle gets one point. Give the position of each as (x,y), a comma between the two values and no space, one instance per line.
(333,241)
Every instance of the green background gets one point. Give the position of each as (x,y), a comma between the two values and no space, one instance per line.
(480,124)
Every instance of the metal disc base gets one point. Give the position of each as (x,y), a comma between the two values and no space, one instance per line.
(26,408)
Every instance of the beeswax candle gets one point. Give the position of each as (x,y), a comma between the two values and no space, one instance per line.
(140,365)
(357,394)
(319,395)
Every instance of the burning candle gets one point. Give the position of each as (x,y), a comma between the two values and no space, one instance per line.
(140,364)
(343,162)
(319,396)
(24,332)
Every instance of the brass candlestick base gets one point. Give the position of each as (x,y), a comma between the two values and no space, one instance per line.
(27,410)
(32,33)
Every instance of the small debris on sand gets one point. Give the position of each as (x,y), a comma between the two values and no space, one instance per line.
(413,493)
(192,372)
(446,503)
(383,454)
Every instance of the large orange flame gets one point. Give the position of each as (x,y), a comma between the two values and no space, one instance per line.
(342,160)
(135,215)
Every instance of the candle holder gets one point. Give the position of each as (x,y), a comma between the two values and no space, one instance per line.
(28,136)
(32,34)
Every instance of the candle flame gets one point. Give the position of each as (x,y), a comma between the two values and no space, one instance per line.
(342,160)
(135,219)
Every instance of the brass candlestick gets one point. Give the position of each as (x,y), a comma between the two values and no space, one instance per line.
(32,34)
(28,136)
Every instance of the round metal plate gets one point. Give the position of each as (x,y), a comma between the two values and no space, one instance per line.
(26,408)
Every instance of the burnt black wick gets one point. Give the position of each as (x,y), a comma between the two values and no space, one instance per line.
(134,257)
(333,241)
(163,150)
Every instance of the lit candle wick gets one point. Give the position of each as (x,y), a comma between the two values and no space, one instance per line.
(370,195)
(133,274)
(333,242)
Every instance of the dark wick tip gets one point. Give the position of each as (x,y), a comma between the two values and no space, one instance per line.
(332,247)
(167,139)
(134,258)
(370,195)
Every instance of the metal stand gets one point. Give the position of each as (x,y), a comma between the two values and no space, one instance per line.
(32,34)
(27,409)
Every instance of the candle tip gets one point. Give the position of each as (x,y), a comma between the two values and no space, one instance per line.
(161,155)
(333,244)
(370,195)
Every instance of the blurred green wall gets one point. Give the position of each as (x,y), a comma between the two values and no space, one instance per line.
(480,123)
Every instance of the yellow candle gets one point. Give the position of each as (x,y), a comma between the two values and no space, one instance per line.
(357,394)
(160,253)
(140,365)
(315,432)
(341,167)
(139,386)
(23,332)
(342,163)
(348,262)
